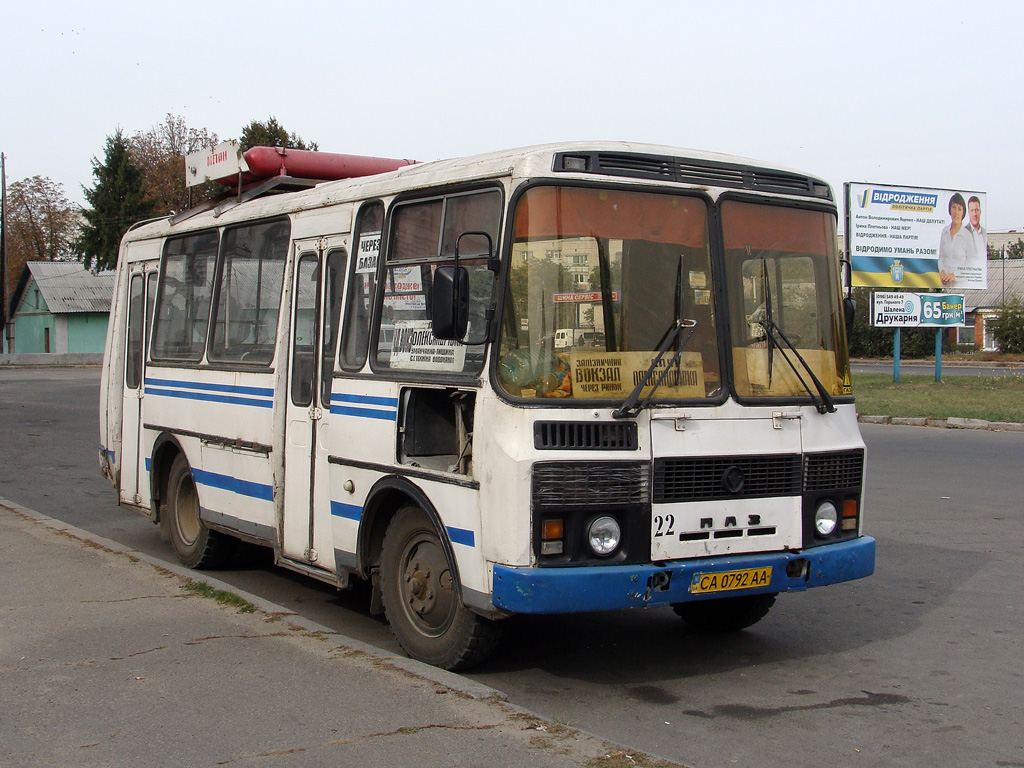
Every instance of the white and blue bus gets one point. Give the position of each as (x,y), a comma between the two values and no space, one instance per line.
(362,374)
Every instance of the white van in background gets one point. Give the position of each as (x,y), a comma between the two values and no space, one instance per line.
(578,337)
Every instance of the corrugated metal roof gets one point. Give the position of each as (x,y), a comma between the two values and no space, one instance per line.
(997,290)
(69,287)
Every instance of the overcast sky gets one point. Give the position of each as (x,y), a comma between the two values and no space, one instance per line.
(922,94)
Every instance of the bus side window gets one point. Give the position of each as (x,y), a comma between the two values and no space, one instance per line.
(249,293)
(332,320)
(133,356)
(362,286)
(183,305)
(304,329)
(423,235)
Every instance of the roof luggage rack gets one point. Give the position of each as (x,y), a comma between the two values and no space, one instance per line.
(265,170)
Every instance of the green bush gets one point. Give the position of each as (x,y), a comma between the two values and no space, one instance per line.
(1008,326)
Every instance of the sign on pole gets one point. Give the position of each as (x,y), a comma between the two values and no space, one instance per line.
(222,161)
(917,310)
(910,237)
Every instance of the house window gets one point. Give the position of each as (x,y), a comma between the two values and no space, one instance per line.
(989,337)
(965,335)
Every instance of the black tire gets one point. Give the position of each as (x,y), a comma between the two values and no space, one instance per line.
(195,544)
(421,599)
(725,614)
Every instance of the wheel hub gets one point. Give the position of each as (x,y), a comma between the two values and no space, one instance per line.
(428,584)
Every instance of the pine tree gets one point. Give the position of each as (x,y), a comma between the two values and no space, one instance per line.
(116,202)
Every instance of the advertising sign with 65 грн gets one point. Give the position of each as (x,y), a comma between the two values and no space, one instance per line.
(910,237)
(916,310)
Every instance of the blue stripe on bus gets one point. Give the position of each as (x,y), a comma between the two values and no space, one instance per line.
(348,511)
(209,397)
(362,406)
(234,484)
(256,391)
(365,413)
(365,399)
(461,536)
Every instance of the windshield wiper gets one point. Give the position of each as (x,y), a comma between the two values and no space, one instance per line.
(826,404)
(632,405)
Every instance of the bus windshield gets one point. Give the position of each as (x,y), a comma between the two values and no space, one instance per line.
(783,288)
(598,279)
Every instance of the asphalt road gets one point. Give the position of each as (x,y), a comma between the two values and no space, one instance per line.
(918,665)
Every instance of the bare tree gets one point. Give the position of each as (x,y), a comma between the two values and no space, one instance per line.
(42,224)
(160,153)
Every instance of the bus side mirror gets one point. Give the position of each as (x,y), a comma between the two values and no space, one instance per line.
(449,305)
(849,313)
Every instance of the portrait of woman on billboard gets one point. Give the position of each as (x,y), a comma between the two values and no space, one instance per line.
(960,264)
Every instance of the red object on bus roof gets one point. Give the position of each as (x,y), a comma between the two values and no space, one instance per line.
(267,162)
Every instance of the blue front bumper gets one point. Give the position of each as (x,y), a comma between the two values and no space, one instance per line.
(603,588)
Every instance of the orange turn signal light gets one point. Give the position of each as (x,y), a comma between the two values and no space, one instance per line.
(551,529)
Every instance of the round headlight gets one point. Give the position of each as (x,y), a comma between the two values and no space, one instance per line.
(604,535)
(825,518)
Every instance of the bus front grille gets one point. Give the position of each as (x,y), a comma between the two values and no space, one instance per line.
(828,471)
(708,478)
(567,484)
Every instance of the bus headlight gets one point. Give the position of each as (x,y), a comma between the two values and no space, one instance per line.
(825,518)
(604,535)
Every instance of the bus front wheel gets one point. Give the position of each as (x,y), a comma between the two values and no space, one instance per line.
(421,599)
(725,614)
(195,544)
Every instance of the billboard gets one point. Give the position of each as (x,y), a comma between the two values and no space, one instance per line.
(917,310)
(910,237)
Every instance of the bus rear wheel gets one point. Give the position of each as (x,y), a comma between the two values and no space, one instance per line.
(421,599)
(195,544)
(725,614)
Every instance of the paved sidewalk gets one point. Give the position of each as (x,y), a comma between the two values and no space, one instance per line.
(109,658)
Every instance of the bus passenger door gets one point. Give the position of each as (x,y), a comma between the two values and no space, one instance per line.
(141,295)
(316,303)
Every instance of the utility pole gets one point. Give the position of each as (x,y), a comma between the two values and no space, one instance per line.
(4,278)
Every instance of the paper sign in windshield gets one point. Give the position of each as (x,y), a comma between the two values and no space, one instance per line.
(616,374)
(416,348)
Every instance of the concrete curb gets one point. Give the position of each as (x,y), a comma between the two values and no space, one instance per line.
(450,680)
(953,422)
(40,360)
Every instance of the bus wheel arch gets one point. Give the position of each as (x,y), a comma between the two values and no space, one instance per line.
(387,496)
(177,498)
(406,548)
(165,449)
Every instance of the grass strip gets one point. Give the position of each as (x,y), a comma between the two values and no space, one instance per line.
(998,398)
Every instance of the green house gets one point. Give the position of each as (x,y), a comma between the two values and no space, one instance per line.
(62,308)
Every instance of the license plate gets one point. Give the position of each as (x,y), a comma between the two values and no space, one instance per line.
(729,580)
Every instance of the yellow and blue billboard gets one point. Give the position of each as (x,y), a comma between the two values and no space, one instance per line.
(910,237)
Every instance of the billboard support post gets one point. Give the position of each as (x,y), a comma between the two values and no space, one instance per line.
(896,355)
(938,354)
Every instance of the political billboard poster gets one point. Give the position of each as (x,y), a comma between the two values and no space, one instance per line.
(912,237)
